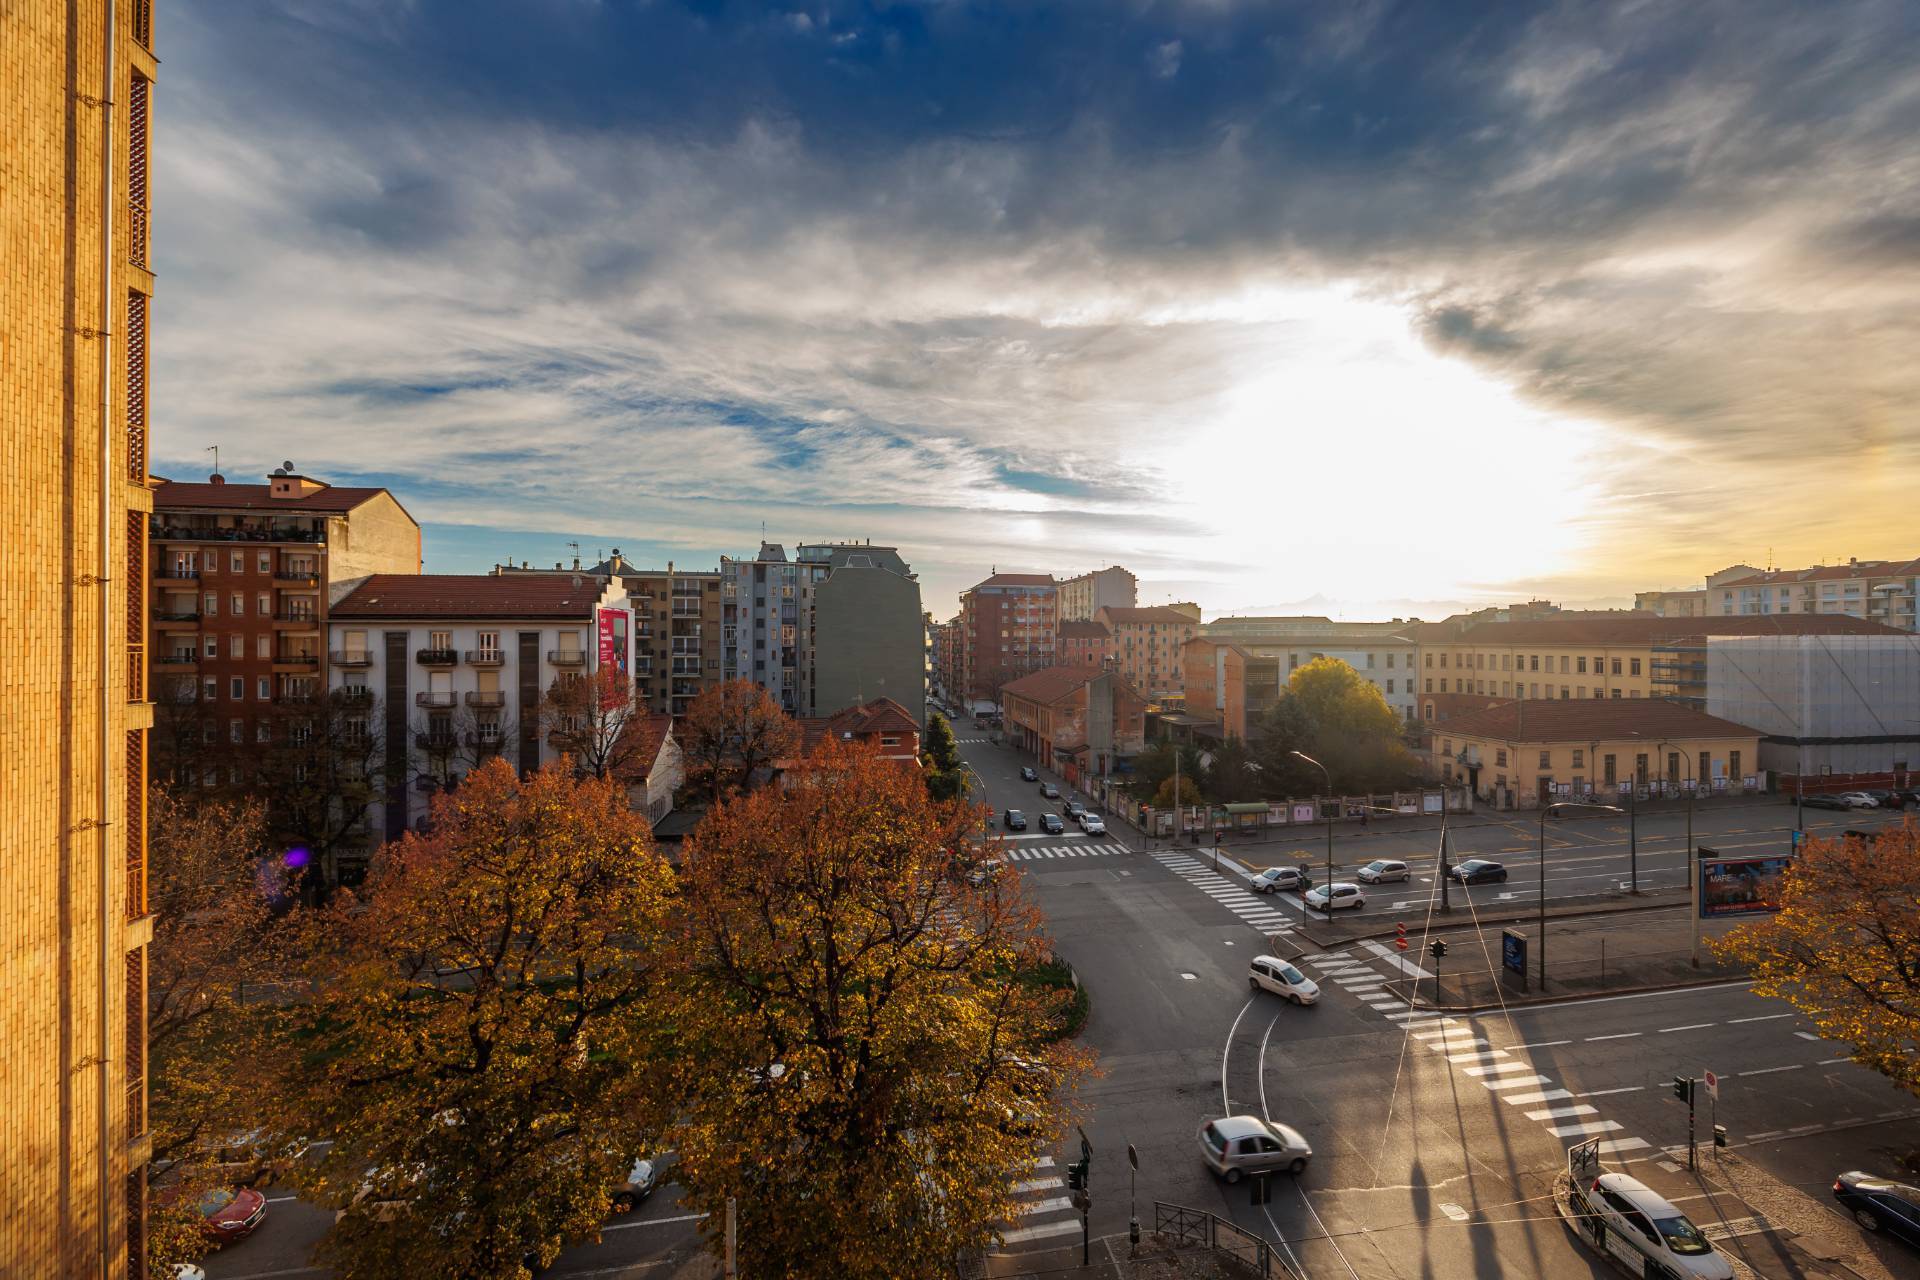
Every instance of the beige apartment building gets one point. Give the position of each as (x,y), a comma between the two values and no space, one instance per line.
(1082,596)
(1146,644)
(75,256)
(1881,591)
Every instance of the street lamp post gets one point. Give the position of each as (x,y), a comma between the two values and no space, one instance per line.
(1693,871)
(1329,777)
(1545,813)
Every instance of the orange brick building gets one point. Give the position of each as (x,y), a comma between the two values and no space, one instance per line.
(75,261)
(1083,644)
(1076,720)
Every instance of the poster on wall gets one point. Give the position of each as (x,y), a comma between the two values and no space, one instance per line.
(1741,886)
(1304,813)
(614,647)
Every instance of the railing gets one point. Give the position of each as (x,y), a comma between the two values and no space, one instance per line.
(354,695)
(436,657)
(1197,1226)
(436,741)
(297,659)
(186,533)
(305,581)
(136,672)
(352,657)
(435,699)
(566,657)
(307,616)
(486,697)
(142,13)
(178,615)
(486,741)
(176,659)
(176,572)
(486,657)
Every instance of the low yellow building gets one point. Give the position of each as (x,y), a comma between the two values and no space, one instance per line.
(1527,751)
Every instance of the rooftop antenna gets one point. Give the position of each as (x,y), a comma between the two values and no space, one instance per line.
(214,449)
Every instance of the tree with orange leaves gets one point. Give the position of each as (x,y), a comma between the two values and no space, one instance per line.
(477,1038)
(601,721)
(860,1069)
(729,732)
(1844,948)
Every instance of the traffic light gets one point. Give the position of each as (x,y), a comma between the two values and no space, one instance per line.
(1438,948)
(1683,1089)
(1077,1176)
(1719,1135)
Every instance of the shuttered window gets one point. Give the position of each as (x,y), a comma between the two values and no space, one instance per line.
(137,387)
(137,207)
(136,1042)
(136,820)
(143,23)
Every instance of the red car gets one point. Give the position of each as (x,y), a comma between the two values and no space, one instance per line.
(229,1213)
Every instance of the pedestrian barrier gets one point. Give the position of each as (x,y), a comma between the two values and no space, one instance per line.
(1196,1226)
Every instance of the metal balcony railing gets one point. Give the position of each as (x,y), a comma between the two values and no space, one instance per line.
(354,695)
(486,697)
(352,657)
(436,657)
(437,740)
(435,699)
(297,659)
(486,657)
(566,657)
(176,573)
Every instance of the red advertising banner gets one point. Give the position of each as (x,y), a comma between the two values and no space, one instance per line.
(613,640)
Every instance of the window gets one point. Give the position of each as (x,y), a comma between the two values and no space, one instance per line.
(237,562)
(1563,664)
(1733,764)
(236,645)
(1533,690)
(236,731)
(1546,759)
(1533,662)
(1369,662)
(1389,662)
(263,689)
(263,603)
(263,646)
(1616,666)
(238,604)
(1500,756)
(264,562)
(1443,684)
(1606,765)
(1506,662)
(1443,659)
(1616,693)
(1429,659)
(1579,758)
(209,562)
(1446,746)
(1580,665)
(1389,684)
(211,605)
(263,731)
(1640,768)
(1636,666)
(210,689)
(1705,770)
(1580,691)
(444,640)
(1429,684)
(1565,693)
(237,688)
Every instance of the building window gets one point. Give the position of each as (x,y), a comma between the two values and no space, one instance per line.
(1429,659)
(1636,666)
(1443,659)
(1534,662)
(1500,756)
(1429,684)
(1369,662)
(1389,662)
(1565,693)
(1563,664)
(263,731)
(1443,684)
(1533,691)
(444,640)
(236,562)
(236,646)
(209,562)
(1607,767)
(1579,758)
(1705,769)
(1616,693)
(263,603)
(236,731)
(210,689)
(263,646)
(211,605)
(237,688)
(1580,665)
(1389,684)
(1546,759)
(1580,691)
(238,604)
(1640,768)
(1733,764)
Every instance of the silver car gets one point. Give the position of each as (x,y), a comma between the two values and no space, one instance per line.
(1382,871)
(1239,1145)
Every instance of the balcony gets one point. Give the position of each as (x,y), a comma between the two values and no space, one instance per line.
(352,657)
(186,533)
(483,741)
(184,661)
(486,657)
(440,700)
(486,697)
(175,573)
(296,620)
(296,697)
(296,662)
(295,581)
(567,657)
(436,740)
(177,620)
(436,657)
(354,695)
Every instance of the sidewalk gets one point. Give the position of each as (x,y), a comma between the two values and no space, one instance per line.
(1109,1258)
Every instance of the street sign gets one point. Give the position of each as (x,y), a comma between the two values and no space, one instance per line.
(1713,1086)
(1513,951)
(1583,1161)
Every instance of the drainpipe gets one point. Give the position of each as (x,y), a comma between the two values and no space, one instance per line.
(106,583)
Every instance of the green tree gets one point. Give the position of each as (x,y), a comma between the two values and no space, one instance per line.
(1341,719)
(1189,793)
(945,772)
(478,1037)
(860,1070)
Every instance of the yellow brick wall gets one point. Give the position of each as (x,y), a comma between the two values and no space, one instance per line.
(61,630)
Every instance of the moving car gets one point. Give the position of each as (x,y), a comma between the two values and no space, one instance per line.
(1074,809)
(1093,824)
(1270,973)
(1479,871)
(1051,824)
(1274,878)
(1050,791)
(1015,820)
(1342,895)
(1028,773)
(642,1178)
(1642,1224)
(1880,1205)
(226,1213)
(1238,1145)
(1381,871)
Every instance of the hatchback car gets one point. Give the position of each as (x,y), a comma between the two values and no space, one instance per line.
(1879,1205)
(1028,773)
(1050,791)
(1479,871)
(1883,799)
(1642,1224)
(642,1177)
(1015,820)
(1381,871)
(1276,878)
(1858,800)
(1093,824)
(1270,973)
(1074,808)
(226,1213)
(1238,1145)
(1342,895)
(1051,824)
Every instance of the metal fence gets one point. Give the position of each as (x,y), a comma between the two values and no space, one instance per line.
(1196,1226)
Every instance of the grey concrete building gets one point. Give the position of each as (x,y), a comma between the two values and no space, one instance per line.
(1827,705)
(869,634)
(1084,595)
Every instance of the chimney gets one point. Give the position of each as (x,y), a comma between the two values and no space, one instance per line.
(216,478)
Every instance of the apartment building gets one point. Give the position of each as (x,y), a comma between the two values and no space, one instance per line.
(1534,751)
(1628,655)
(1007,628)
(765,603)
(1076,720)
(1296,627)
(453,670)
(1881,591)
(944,641)
(1083,644)
(1230,681)
(868,630)
(1147,642)
(1083,595)
(80,77)
(243,578)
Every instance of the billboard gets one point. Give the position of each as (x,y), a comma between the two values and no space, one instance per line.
(614,645)
(1741,886)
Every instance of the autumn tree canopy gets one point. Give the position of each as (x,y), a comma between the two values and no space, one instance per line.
(478,1031)
(602,722)
(858,1068)
(1844,948)
(730,731)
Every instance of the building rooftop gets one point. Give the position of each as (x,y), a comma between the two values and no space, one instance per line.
(1590,720)
(456,596)
(882,715)
(1828,573)
(1148,613)
(1084,631)
(175,495)
(1647,629)
(1051,684)
(1017,580)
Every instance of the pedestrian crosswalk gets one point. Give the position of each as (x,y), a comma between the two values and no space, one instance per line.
(1229,892)
(1045,1208)
(1066,851)
(1357,976)
(972,740)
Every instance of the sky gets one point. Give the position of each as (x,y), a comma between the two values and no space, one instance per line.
(1365,309)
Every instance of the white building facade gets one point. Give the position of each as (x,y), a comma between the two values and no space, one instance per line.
(1825,705)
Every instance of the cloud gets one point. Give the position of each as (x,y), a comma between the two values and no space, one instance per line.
(996,283)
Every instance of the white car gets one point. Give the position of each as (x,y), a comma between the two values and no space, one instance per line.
(1273,879)
(1093,824)
(1270,973)
(1343,895)
(1381,870)
(1858,800)
(1642,1224)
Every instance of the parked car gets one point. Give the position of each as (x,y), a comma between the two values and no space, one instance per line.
(1881,1205)
(1270,973)
(1648,1226)
(1050,791)
(1381,871)
(1093,824)
(1882,799)
(1051,824)
(1238,1145)
(1029,774)
(1858,800)
(226,1213)
(1275,878)
(1825,801)
(1342,895)
(1479,871)
(1015,820)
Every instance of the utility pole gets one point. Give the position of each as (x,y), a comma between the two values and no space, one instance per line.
(732,1269)
(1328,775)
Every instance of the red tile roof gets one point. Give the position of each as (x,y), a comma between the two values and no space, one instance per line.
(1018,580)
(1049,684)
(1827,573)
(1638,629)
(1150,613)
(176,496)
(456,596)
(1084,631)
(1591,719)
(869,719)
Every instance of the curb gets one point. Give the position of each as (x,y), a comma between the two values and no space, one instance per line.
(1423,1002)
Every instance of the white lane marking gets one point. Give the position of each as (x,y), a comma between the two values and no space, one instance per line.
(1527,1099)
(1036,1184)
(1618,1035)
(1515,1082)
(1542,1044)
(1035,1233)
(1691,1026)
(1806,1035)
(1562,1113)
(1482,1055)
(1765,1017)
(1507,1014)
(1586,1129)
(1499,1068)
(1044,1206)
(1613,1146)
(1396,960)
(1827,1062)
(1767,1071)
(652,1222)
(1602,1093)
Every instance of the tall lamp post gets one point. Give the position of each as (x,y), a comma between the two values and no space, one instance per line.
(1329,777)
(1563,806)
(1693,871)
